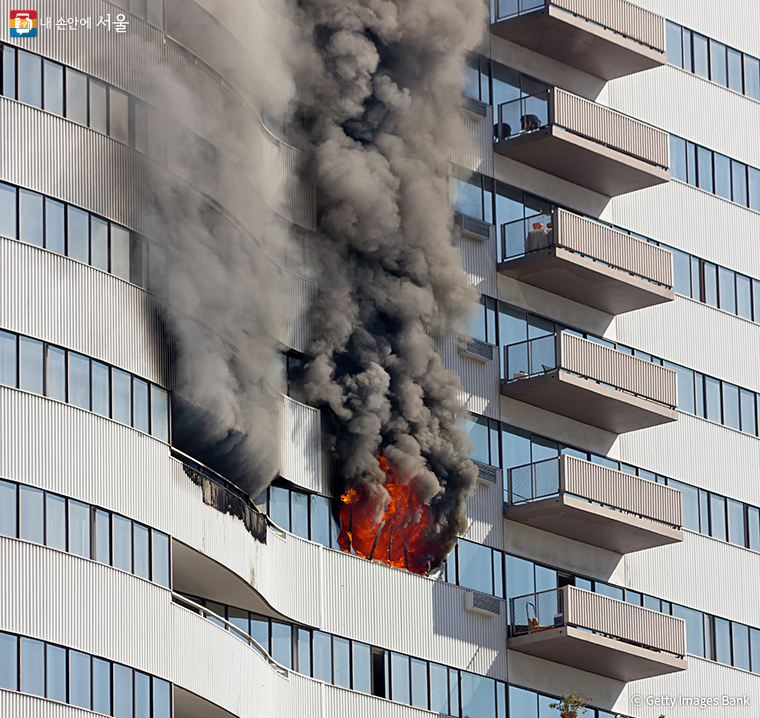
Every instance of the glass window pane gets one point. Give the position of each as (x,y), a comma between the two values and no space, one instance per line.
(99,243)
(102,536)
(122,396)
(55,226)
(101,686)
(453,692)
(754,649)
(701,62)
(79,235)
(7,211)
(79,529)
(690,504)
(739,183)
(320,520)
(477,432)
(718,517)
(303,638)
(752,77)
(712,399)
(160,556)
(478,696)
(98,118)
(695,636)
(9,71)
(142,695)
(8,495)
(322,657)
(32,667)
(142,551)
(743,296)
(705,169)
(119,115)
(727,288)
(753,528)
(731,405)
(162,699)
(300,514)
(735,71)
(30,217)
(141,410)
(122,691)
(56,673)
(282,644)
(53,87)
(76,96)
(30,365)
(8,359)
(718,71)
(120,251)
(736,522)
(8,661)
(30,78)
(101,391)
(678,158)
(80,666)
(400,678)
(279,507)
(439,689)
(362,659)
(515,447)
(611,591)
(523,703)
(56,377)
(159,411)
(30,514)
(740,635)
(55,521)
(475,567)
(722,641)
(419,683)
(122,543)
(674,43)
(260,631)
(141,127)
(722,176)
(341,662)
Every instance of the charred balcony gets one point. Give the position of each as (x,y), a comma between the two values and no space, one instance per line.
(586,261)
(582,142)
(598,634)
(594,504)
(605,38)
(589,382)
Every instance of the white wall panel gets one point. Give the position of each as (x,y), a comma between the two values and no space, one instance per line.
(485,514)
(702,679)
(479,263)
(59,300)
(301,458)
(19,705)
(692,107)
(693,220)
(472,145)
(720,344)
(298,295)
(698,452)
(700,572)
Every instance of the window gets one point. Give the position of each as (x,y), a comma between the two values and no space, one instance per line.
(123,696)
(752,77)
(31,510)
(30,217)
(400,688)
(739,183)
(99,243)
(160,556)
(55,521)
(162,699)
(101,686)
(7,211)
(722,176)
(341,662)
(30,78)
(102,536)
(718,68)
(31,362)
(722,648)
(701,55)
(79,529)
(8,661)
(282,644)
(80,667)
(53,84)
(740,644)
(321,520)
(101,391)
(419,683)
(299,508)
(122,543)
(695,637)
(122,396)
(142,695)
(322,647)
(159,406)
(439,689)
(141,408)
(55,226)
(362,665)
(98,115)
(76,96)
(119,115)
(475,567)
(79,235)
(141,539)
(120,252)
(678,158)
(735,82)
(674,43)
(32,667)
(9,71)
(478,696)
(8,494)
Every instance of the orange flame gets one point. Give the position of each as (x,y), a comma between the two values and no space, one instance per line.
(396,528)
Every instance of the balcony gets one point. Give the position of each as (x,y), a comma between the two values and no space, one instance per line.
(582,142)
(598,634)
(594,504)
(605,38)
(586,261)
(589,382)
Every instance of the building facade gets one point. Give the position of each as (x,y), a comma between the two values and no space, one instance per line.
(605,210)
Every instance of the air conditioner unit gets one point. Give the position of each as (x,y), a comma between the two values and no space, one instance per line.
(487,475)
(482,603)
(475,108)
(476,349)
(474,228)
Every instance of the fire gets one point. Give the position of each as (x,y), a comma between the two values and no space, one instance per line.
(396,528)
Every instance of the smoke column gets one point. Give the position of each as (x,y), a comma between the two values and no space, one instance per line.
(388,80)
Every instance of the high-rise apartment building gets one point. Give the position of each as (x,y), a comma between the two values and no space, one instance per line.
(605,189)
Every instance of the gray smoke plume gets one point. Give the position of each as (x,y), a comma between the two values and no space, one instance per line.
(388,82)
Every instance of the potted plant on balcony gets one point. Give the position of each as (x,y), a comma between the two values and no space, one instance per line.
(569,705)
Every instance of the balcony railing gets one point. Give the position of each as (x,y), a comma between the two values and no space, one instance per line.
(589,239)
(607,127)
(609,617)
(599,484)
(618,16)
(593,361)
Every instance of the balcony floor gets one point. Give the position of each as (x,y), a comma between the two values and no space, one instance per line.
(596,525)
(585,281)
(581,161)
(573,41)
(597,654)
(586,401)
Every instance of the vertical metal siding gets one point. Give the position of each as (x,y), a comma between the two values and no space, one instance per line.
(626,372)
(611,128)
(59,300)
(301,446)
(622,17)
(472,144)
(298,295)
(485,514)
(479,262)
